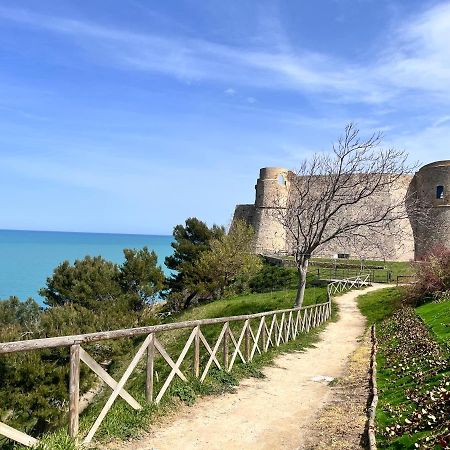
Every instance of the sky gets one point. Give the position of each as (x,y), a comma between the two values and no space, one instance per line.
(131,115)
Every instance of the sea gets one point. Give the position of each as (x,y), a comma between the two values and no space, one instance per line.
(27,258)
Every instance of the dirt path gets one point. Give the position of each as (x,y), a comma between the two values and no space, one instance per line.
(270,413)
(341,423)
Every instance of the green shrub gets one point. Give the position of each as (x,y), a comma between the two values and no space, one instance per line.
(273,278)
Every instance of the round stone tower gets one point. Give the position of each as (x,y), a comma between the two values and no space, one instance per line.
(431,185)
(271,187)
(271,193)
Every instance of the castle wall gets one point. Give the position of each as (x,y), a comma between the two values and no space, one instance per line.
(272,190)
(246,213)
(270,234)
(394,242)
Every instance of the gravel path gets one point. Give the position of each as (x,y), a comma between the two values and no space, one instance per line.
(270,413)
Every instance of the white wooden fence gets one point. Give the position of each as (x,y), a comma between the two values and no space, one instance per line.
(339,286)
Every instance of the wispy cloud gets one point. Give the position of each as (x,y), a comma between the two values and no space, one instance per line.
(230,91)
(418,55)
(415,58)
(441,121)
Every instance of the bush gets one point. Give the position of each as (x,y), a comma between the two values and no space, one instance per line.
(432,276)
(273,278)
(211,264)
(229,264)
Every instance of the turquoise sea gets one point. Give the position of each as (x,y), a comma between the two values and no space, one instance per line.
(27,258)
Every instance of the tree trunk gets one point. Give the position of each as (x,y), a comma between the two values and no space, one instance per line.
(302,271)
(188,299)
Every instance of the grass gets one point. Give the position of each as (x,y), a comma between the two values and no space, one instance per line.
(252,303)
(378,305)
(437,317)
(344,267)
(122,422)
(397,267)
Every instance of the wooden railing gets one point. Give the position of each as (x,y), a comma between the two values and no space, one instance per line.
(406,279)
(339,286)
(259,332)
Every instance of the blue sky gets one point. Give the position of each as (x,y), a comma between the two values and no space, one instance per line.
(132,115)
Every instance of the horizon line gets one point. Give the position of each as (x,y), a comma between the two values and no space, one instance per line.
(85,232)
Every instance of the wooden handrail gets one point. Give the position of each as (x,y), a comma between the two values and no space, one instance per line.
(67,341)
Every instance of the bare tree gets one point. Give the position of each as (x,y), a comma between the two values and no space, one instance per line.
(349,197)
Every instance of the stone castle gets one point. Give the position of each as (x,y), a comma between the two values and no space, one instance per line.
(431,185)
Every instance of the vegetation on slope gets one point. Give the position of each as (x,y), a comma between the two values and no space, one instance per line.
(414,385)
(413,366)
(378,305)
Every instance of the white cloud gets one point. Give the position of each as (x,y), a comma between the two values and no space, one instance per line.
(414,59)
(419,56)
(251,100)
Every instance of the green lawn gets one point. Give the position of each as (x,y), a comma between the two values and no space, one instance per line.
(122,422)
(340,268)
(378,305)
(437,317)
(252,303)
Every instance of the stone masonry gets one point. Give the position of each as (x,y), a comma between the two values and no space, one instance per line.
(431,184)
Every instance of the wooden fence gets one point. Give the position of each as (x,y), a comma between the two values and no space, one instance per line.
(406,279)
(259,332)
(338,286)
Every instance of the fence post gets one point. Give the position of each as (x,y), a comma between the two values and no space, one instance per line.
(150,365)
(263,335)
(287,326)
(74,389)
(225,347)
(197,352)
(247,341)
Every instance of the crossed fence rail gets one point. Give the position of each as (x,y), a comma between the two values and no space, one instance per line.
(272,329)
(338,286)
(376,275)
